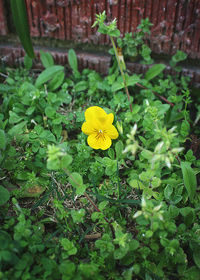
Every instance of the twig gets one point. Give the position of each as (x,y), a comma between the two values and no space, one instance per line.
(93,236)
(161,97)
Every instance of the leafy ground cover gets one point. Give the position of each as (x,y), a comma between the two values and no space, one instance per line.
(128,210)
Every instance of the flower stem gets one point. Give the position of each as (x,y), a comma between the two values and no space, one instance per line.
(121,71)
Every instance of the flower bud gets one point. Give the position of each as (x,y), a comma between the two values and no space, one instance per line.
(133,130)
(120,127)
(177,150)
(158,147)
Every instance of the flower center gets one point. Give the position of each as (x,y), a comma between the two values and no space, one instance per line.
(100,131)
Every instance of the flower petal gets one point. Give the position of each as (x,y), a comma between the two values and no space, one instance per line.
(103,142)
(110,118)
(88,128)
(94,112)
(112,132)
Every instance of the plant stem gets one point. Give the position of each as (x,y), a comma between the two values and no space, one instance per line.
(161,97)
(121,71)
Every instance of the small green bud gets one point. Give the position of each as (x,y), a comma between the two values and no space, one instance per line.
(120,127)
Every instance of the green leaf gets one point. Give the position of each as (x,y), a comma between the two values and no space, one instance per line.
(50,112)
(133,245)
(28,62)
(57,81)
(72,59)
(189,179)
(179,56)
(120,252)
(147,154)
(5,240)
(17,129)
(77,215)
(117,86)
(189,215)
(196,256)
(76,181)
(168,191)
(136,184)
(20,19)
(193,273)
(2,139)
(154,71)
(65,161)
(111,153)
(114,33)
(111,166)
(47,59)
(67,269)
(48,74)
(132,80)
(155,182)
(81,86)
(68,246)
(173,211)
(14,118)
(119,149)
(185,128)
(7,88)
(4,195)
(46,135)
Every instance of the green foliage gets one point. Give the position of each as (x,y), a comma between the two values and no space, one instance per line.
(46,59)
(28,62)
(154,71)
(72,59)
(133,45)
(189,179)
(48,74)
(4,195)
(179,56)
(20,19)
(110,29)
(129,212)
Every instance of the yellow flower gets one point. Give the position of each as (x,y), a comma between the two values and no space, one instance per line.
(98,126)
